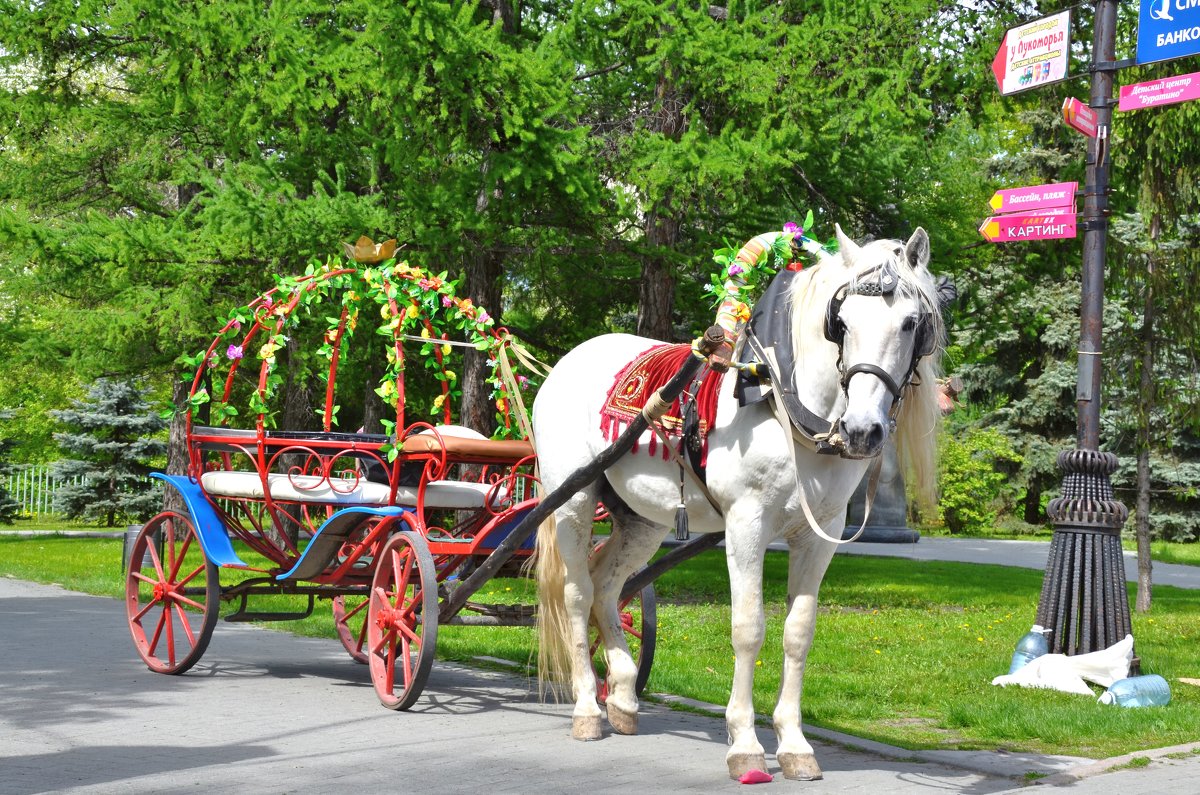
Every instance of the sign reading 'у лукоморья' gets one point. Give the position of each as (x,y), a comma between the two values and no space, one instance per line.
(1033,54)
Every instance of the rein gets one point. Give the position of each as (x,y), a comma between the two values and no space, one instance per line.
(810,429)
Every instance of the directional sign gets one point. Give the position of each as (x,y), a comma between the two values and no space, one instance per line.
(1166,91)
(1034,54)
(1017,228)
(1168,29)
(1079,116)
(1034,197)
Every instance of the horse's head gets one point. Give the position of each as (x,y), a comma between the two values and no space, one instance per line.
(884,319)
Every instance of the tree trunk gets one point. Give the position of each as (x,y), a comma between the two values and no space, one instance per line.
(177,455)
(483,288)
(656,293)
(1145,410)
(373,408)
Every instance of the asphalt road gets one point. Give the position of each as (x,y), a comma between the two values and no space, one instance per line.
(268,712)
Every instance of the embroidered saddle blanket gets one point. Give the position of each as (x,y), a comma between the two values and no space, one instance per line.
(639,380)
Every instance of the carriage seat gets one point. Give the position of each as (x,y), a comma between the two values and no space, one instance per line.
(447,494)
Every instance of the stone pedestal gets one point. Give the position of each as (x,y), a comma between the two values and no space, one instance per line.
(888,521)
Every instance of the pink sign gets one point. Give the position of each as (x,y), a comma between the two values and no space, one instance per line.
(1016,228)
(1079,116)
(1155,93)
(1034,197)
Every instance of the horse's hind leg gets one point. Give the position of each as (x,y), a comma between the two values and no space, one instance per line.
(632,543)
(574,533)
(808,558)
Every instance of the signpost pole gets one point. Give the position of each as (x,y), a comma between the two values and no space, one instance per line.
(1084,602)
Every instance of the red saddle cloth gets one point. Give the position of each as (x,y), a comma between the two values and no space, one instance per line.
(639,380)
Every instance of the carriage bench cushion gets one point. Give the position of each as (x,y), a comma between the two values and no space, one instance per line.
(461,448)
(451,494)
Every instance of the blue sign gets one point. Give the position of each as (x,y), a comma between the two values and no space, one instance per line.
(1168,29)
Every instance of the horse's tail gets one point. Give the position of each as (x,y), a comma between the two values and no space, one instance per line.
(553,625)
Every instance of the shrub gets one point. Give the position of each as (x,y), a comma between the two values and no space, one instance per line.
(972,479)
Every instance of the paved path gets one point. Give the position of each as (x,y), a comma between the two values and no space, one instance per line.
(269,712)
(1028,554)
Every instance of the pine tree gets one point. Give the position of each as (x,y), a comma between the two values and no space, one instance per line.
(9,508)
(113,433)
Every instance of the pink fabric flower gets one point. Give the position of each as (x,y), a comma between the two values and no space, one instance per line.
(446,300)
(736,268)
(793,229)
(234,352)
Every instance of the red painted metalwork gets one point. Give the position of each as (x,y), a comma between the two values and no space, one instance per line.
(277,493)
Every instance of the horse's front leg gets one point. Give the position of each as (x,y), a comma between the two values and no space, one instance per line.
(744,554)
(808,558)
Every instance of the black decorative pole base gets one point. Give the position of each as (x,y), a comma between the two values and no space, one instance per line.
(1084,601)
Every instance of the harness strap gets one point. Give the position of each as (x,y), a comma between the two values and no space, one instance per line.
(811,429)
(871,369)
(685,467)
(872,484)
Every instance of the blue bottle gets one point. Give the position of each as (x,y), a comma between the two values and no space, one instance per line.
(1031,646)
(1138,691)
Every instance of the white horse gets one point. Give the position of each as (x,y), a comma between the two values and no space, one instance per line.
(850,339)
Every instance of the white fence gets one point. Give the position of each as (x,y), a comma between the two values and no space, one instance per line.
(34,487)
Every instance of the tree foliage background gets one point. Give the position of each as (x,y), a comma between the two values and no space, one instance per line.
(575,163)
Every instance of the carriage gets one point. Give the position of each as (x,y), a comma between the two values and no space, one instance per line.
(399,529)
(395,530)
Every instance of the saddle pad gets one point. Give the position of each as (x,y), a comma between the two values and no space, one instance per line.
(641,378)
(451,494)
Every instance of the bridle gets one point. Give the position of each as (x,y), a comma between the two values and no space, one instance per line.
(880,281)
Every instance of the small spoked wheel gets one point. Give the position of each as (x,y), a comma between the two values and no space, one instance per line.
(402,620)
(639,620)
(350,621)
(172,594)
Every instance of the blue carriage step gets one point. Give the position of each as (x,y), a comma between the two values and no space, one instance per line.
(329,538)
(209,527)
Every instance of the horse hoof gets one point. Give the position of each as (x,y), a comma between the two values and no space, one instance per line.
(801,767)
(741,763)
(622,722)
(585,728)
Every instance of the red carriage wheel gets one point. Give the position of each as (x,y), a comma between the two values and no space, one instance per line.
(639,619)
(172,594)
(350,620)
(402,620)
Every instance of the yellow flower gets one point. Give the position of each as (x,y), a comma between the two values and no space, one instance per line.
(413,311)
(451,375)
(438,402)
(425,333)
(445,350)
(385,311)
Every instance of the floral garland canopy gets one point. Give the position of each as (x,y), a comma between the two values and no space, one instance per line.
(403,302)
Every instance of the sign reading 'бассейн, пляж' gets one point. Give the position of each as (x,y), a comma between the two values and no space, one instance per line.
(1168,29)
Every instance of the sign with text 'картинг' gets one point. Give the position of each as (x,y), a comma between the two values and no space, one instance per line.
(1033,54)
(1032,226)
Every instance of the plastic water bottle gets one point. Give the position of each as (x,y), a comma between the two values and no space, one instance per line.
(1031,646)
(1138,691)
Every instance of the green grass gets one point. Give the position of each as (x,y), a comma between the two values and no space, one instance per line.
(904,651)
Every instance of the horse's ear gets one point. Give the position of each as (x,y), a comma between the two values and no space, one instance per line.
(916,250)
(848,248)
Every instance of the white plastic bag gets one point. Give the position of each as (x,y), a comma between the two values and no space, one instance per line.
(1060,672)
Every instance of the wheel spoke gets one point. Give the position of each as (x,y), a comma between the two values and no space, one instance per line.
(187,627)
(158,628)
(181,600)
(192,576)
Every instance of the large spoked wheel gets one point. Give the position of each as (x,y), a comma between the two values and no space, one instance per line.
(172,594)
(402,620)
(350,620)
(639,619)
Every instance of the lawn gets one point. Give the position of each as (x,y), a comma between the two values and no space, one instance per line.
(904,651)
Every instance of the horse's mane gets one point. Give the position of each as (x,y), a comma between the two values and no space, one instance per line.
(920,414)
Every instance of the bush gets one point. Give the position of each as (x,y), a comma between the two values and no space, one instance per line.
(972,479)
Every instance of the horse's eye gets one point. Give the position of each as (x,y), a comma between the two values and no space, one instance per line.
(909,323)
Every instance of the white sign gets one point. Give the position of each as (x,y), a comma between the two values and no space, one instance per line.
(1035,54)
